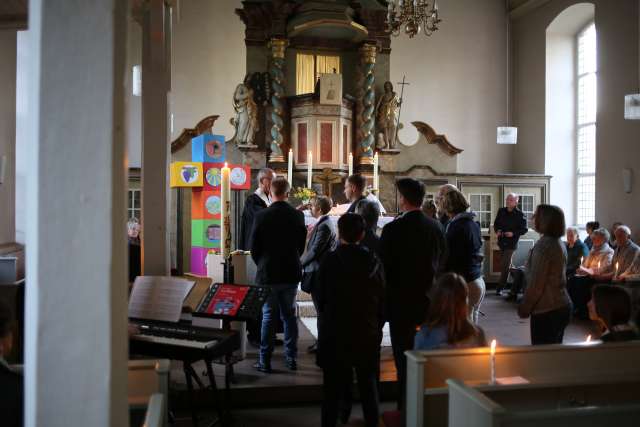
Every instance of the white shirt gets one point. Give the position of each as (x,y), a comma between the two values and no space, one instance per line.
(265,197)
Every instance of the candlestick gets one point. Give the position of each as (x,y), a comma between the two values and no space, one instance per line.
(350,164)
(376,178)
(290,168)
(225,223)
(309,168)
(493,362)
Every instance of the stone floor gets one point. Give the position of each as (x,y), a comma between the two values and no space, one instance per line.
(499,321)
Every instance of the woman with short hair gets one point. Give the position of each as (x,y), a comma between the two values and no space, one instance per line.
(546,299)
(448,323)
(464,243)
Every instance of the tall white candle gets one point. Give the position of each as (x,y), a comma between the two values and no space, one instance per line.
(350,164)
(225,198)
(493,362)
(309,168)
(290,168)
(376,178)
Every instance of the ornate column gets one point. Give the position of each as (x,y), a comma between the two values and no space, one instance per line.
(367,127)
(278,46)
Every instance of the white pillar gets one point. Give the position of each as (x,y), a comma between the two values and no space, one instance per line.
(76,297)
(155,142)
(7,134)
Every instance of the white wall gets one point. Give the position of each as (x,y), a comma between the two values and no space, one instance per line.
(209,60)
(7,133)
(22,128)
(458,82)
(618,144)
(133,104)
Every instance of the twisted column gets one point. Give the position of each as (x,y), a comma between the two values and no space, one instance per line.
(278,47)
(367,127)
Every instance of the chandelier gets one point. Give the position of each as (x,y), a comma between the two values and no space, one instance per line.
(414,16)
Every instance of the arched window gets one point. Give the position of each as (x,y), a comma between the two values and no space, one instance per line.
(586,103)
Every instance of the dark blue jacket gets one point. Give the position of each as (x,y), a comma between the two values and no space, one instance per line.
(465,246)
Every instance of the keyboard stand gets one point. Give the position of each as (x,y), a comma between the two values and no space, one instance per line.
(224,415)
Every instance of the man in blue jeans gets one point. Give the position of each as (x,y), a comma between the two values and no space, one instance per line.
(279,236)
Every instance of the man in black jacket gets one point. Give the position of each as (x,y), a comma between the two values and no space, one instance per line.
(11,383)
(412,248)
(279,235)
(350,308)
(354,190)
(260,199)
(509,225)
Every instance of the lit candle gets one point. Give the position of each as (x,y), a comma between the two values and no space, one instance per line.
(493,362)
(588,338)
(225,198)
(350,164)
(309,168)
(290,168)
(616,269)
(581,260)
(376,178)
(598,266)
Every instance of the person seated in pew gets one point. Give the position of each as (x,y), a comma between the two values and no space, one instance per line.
(590,227)
(612,234)
(350,305)
(576,251)
(598,261)
(631,274)
(448,324)
(610,307)
(623,255)
(11,382)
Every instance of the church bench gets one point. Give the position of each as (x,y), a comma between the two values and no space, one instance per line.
(553,365)
(156,411)
(613,404)
(146,378)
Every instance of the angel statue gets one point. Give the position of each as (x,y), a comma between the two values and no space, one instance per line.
(386,117)
(246,120)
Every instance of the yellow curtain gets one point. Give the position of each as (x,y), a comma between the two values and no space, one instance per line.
(304,74)
(326,64)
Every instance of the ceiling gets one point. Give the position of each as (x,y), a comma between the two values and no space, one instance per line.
(13,13)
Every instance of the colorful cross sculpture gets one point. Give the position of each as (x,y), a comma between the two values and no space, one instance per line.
(203,175)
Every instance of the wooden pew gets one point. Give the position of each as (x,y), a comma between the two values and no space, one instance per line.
(553,366)
(147,378)
(535,406)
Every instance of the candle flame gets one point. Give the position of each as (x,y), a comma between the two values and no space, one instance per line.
(226,165)
(598,264)
(581,259)
(588,338)
(493,347)
(616,266)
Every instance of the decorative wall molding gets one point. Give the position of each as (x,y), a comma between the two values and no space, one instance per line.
(205,125)
(440,140)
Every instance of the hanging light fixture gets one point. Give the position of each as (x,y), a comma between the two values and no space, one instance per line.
(632,107)
(508,134)
(412,16)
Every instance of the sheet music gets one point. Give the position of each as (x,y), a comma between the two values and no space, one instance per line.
(158,297)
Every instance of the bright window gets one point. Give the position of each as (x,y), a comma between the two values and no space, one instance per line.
(133,210)
(309,66)
(527,204)
(587,101)
(481,206)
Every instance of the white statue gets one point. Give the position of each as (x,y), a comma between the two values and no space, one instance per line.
(246,120)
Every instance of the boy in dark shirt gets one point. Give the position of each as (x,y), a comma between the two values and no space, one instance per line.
(351,289)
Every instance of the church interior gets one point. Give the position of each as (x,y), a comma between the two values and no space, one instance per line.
(157,123)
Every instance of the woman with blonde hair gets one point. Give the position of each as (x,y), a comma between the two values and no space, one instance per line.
(464,243)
